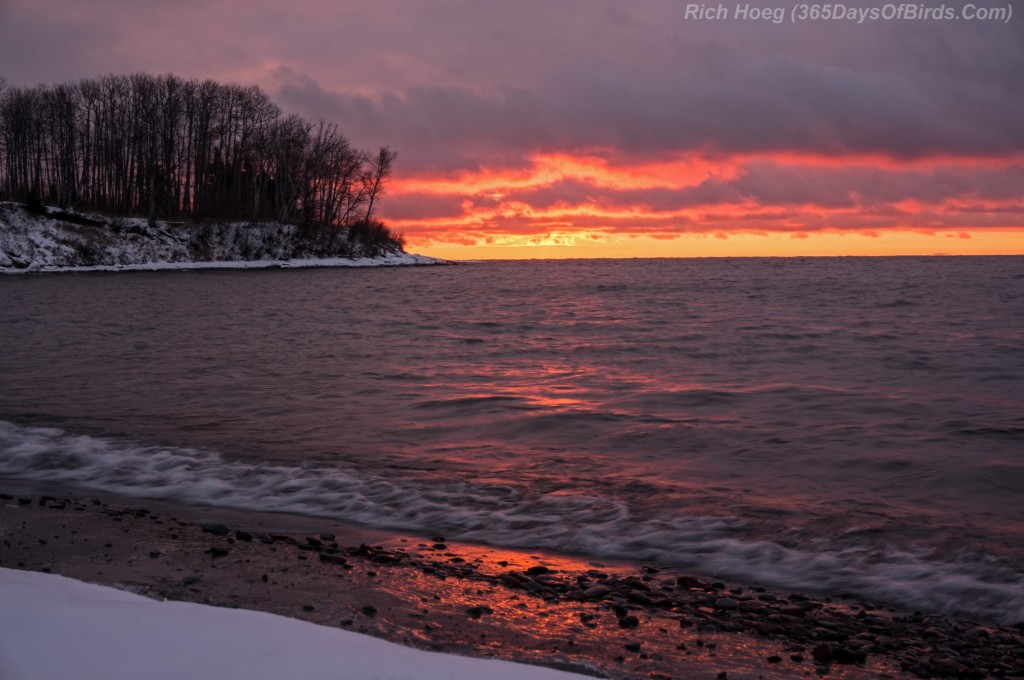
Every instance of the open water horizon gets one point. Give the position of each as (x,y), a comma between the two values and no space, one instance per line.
(834,425)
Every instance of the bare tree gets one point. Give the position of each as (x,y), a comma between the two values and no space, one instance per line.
(380,172)
(165,147)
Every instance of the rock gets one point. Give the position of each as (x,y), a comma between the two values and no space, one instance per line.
(845,655)
(637,597)
(243,536)
(774,659)
(216,551)
(792,610)
(629,621)
(538,570)
(215,529)
(478,611)
(597,592)
(369,610)
(532,587)
(726,603)
(633,646)
(689,583)
(333,559)
(282,538)
(822,653)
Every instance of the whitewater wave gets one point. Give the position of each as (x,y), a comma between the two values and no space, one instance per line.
(973,586)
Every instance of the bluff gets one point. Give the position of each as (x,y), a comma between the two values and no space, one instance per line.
(41,238)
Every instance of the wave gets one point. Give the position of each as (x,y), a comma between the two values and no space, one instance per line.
(971,585)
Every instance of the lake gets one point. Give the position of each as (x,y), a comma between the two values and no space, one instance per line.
(834,425)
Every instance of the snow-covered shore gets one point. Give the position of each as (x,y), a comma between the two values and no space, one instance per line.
(55,627)
(68,241)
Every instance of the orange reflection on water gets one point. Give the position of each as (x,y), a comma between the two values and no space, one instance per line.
(481,612)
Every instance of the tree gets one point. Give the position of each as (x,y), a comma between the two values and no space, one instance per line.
(380,172)
(165,147)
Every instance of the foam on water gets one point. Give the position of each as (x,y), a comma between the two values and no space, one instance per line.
(971,585)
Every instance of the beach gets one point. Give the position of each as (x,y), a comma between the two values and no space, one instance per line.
(602,619)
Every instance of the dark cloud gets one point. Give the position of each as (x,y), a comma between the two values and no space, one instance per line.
(453,82)
(761,106)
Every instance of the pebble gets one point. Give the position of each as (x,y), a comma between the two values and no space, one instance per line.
(629,621)
(822,653)
(638,598)
(215,529)
(597,592)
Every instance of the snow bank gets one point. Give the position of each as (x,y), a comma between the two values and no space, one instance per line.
(65,240)
(56,627)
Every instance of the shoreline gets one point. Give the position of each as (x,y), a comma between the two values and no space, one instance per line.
(609,620)
(403,260)
(55,240)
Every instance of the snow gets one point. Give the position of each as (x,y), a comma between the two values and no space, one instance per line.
(56,627)
(70,241)
(403,259)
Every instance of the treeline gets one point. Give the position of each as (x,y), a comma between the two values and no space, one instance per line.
(167,148)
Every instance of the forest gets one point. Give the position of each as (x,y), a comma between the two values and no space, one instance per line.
(167,148)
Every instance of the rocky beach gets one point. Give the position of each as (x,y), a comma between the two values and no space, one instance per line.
(602,619)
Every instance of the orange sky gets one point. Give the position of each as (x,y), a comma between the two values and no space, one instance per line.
(602,204)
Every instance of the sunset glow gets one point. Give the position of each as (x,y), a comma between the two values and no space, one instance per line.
(602,205)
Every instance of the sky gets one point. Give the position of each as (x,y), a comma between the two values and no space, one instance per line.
(598,128)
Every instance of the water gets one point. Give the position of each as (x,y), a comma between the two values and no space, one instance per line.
(829,425)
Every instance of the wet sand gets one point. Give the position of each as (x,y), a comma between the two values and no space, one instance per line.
(608,620)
